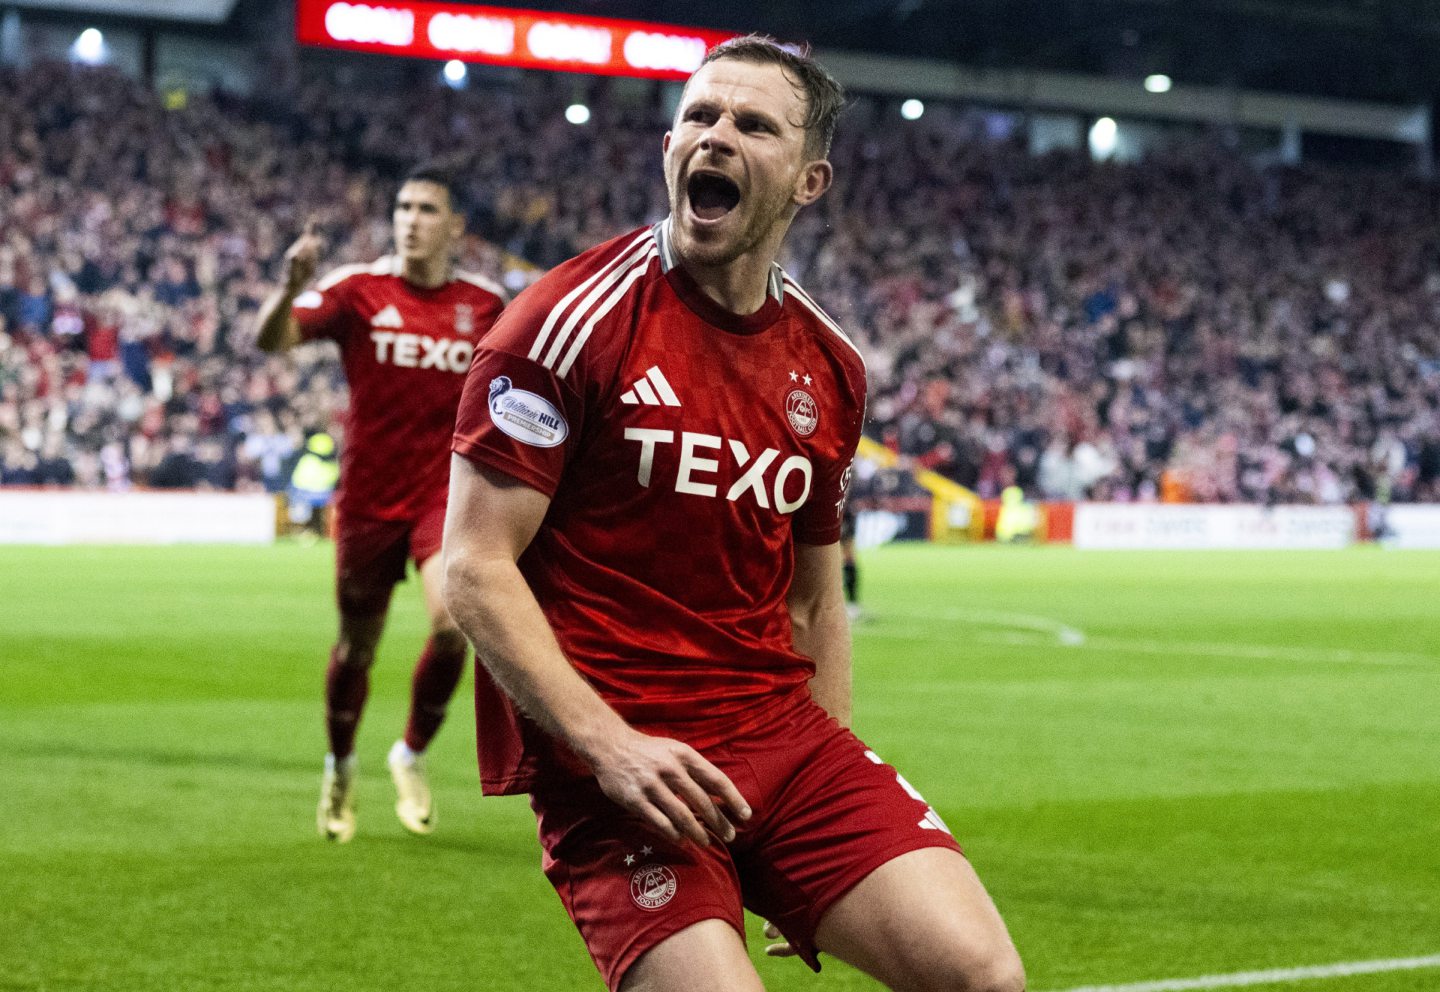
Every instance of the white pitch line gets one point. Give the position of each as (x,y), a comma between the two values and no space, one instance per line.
(1274,976)
(1074,638)
(1258,652)
(1263,652)
(1064,633)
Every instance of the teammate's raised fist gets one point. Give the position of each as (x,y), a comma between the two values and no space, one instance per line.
(302,257)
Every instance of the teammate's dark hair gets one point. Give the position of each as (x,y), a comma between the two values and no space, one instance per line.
(441,175)
(824,96)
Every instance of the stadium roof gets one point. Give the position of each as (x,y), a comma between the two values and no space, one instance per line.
(199,11)
(1385,50)
(1364,49)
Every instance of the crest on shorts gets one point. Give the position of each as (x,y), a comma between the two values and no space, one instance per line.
(652,886)
(801,411)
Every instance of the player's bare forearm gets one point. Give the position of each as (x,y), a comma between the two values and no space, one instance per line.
(830,686)
(820,627)
(489,522)
(276,330)
(493,605)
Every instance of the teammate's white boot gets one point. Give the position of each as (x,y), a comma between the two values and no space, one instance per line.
(413,804)
(335,819)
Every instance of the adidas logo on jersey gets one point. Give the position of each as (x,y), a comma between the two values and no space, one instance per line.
(651,389)
(389,317)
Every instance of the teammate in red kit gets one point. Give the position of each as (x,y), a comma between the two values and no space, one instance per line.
(642,542)
(407,326)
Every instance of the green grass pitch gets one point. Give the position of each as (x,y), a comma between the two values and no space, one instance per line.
(1163,765)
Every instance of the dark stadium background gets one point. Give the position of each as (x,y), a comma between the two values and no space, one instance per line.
(1328,191)
(1363,49)
(1366,49)
(1171,768)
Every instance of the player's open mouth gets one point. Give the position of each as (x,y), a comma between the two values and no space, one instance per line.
(711,196)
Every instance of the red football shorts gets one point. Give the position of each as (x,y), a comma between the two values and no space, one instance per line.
(370,556)
(827,812)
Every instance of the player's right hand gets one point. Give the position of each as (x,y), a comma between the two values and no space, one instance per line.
(302,257)
(670,786)
(782,948)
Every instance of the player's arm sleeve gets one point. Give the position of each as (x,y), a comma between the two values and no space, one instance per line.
(320,311)
(517,416)
(818,521)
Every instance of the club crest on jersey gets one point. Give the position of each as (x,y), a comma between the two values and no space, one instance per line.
(527,417)
(801,411)
(464,318)
(652,886)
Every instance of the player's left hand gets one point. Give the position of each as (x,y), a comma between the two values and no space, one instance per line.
(783,949)
(302,257)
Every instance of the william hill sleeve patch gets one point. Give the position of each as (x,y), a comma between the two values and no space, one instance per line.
(527,417)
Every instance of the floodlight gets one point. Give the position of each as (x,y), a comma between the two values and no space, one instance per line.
(89,47)
(1102,137)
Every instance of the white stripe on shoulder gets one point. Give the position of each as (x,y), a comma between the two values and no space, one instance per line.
(621,258)
(489,285)
(336,276)
(824,317)
(633,273)
(637,259)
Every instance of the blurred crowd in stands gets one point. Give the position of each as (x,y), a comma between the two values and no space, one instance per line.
(1189,328)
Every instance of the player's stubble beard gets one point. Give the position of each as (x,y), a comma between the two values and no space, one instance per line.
(751,232)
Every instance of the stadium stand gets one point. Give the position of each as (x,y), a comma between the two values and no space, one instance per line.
(1193,327)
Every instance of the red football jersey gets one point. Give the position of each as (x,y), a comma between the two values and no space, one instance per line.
(684,449)
(406,350)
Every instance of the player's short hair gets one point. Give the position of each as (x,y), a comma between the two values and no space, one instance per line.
(441,175)
(824,96)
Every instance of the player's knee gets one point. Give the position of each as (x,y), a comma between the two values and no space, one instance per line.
(353,654)
(363,604)
(997,970)
(1001,972)
(447,638)
(969,969)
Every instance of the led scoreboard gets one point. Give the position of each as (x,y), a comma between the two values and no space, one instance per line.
(503,36)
